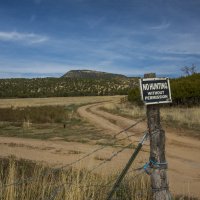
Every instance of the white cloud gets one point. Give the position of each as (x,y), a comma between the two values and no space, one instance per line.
(163,25)
(30,38)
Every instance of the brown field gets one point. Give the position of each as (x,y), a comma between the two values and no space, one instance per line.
(54,101)
(60,148)
(4,103)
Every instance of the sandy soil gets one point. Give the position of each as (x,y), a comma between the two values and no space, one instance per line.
(183,153)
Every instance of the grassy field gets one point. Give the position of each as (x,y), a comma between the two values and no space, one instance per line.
(49,118)
(15,103)
(177,117)
(49,122)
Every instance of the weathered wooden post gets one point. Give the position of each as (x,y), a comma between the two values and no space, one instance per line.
(155,91)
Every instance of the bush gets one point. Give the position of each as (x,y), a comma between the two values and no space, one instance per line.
(134,96)
(185,91)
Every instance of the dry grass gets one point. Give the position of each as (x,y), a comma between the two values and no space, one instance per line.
(65,184)
(4,103)
(68,184)
(47,122)
(182,117)
(177,117)
(124,109)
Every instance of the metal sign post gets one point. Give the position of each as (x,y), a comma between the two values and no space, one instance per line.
(126,168)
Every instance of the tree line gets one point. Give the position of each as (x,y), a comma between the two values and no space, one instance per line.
(185,90)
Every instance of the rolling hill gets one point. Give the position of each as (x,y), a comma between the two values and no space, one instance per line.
(91,74)
(73,83)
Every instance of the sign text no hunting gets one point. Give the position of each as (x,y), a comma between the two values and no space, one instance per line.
(155,90)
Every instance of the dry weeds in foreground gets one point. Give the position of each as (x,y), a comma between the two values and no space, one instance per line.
(37,182)
(64,184)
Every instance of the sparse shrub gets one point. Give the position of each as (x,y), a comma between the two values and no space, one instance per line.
(134,96)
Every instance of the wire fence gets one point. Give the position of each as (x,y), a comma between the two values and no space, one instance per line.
(32,179)
(111,157)
(105,161)
(58,188)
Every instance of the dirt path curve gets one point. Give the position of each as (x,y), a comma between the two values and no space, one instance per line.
(57,153)
(183,153)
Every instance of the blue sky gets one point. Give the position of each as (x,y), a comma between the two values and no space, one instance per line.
(41,38)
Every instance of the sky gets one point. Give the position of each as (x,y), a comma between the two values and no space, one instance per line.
(40,38)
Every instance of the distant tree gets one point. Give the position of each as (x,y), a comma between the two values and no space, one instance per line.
(189,70)
(193,69)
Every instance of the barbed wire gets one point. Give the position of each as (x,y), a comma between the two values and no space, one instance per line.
(111,157)
(30,179)
(126,129)
(61,187)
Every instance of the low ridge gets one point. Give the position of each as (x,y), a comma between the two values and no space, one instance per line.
(91,74)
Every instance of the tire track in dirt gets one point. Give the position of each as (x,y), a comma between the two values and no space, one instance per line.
(183,153)
(60,153)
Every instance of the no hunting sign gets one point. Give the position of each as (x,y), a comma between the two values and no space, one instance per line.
(155,90)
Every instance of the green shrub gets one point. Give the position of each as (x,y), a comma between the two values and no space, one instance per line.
(185,91)
(134,96)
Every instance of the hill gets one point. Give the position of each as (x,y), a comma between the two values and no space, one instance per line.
(91,74)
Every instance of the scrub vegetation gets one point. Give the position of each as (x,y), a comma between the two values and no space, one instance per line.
(185,91)
(64,87)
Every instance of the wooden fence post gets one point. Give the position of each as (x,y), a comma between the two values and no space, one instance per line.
(159,181)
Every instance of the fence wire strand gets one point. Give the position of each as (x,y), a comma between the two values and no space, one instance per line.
(111,157)
(59,188)
(31,179)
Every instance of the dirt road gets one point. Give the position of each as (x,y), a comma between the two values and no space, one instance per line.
(183,153)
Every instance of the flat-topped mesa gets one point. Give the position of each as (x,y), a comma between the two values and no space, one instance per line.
(91,74)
